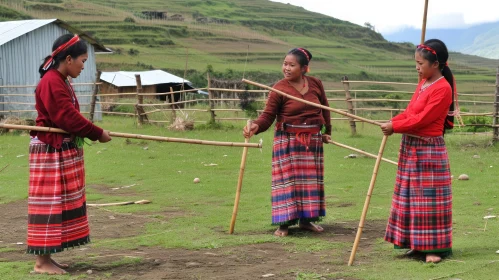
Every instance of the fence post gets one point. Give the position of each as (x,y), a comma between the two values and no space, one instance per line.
(495,120)
(174,114)
(346,86)
(94,96)
(140,100)
(210,99)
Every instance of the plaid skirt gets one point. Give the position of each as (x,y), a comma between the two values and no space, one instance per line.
(297,179)
(57,215)
(421,212)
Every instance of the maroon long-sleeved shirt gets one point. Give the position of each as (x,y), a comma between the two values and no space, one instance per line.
(294,112)
(58,107)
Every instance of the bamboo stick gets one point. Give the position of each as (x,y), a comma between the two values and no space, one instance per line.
(392,83)
(94,97)
(239,90)
(140,136)
(119,203)
(361,152)
(116,94)
(34,86)
(348,99)
(239,182)
(115,103)
(18,103)
(112,113)
(382,91)
(171,92)
(312,103)
(368,200)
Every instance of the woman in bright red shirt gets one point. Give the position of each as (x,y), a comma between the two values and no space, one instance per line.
(297,158)
(57,216)
(421,213)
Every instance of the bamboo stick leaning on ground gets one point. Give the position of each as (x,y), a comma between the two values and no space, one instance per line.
(361,152)
(239,183)
(140,136)
(376,166)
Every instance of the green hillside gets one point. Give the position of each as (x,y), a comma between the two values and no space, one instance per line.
(236,38)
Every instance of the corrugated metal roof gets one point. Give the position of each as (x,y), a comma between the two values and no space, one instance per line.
(147,78)
(10,30)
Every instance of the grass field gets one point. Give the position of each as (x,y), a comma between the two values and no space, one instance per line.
(196,216)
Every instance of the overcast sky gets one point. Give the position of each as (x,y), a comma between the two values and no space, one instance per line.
(391,15)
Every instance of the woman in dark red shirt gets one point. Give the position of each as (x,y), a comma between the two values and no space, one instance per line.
(297,158)
(57,217)
(421,212)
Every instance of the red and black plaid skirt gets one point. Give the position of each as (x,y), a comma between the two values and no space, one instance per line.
(421,212)
(297,178)
(57,215)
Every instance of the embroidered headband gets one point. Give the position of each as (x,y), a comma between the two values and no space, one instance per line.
(61,48)
(305,53)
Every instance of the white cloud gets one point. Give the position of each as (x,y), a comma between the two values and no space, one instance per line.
(392,15)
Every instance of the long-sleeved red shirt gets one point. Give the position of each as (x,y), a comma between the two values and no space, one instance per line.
(58,107)
(294,112)
(426,112)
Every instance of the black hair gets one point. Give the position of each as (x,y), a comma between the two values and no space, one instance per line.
(302,55)
(441,56)
(74,51)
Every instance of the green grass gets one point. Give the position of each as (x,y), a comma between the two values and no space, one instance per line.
(163,173)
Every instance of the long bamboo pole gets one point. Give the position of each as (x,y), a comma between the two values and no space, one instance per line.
(423,28)
(140,136)
(425,16)
(312,103)
(361,152)
(368,200)
(239,183)
(376,167)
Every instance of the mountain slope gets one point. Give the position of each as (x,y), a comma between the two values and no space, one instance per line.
(234,38)
(481,40)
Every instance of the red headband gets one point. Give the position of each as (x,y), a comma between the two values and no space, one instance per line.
(62,47)
(304,52)
(425,47)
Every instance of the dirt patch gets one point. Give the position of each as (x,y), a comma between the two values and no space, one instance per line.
(241,262)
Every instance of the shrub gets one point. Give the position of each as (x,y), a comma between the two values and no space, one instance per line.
(129,19)
(133,51)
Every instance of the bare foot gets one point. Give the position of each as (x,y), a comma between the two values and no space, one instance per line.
(311,226)
(59,265)
(281,231)
(432,258)
(44,265)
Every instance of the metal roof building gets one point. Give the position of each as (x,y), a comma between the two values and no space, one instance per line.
(154,81)
(23,46)
(148,78)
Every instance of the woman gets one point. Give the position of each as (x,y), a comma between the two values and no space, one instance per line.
(421,212)
(57,217)
(297,158)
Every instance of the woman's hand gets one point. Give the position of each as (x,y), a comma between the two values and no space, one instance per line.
(248,132)
(326,138)
(105,137)
(387,128)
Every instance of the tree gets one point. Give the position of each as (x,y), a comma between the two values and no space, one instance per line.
(370,26)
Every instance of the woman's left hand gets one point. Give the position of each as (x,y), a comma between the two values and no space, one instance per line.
(326,138)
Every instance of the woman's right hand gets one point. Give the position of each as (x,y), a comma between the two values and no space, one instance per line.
(105,137)
(387,128)
(248,132)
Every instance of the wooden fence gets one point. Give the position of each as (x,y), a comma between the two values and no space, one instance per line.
(355,97)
